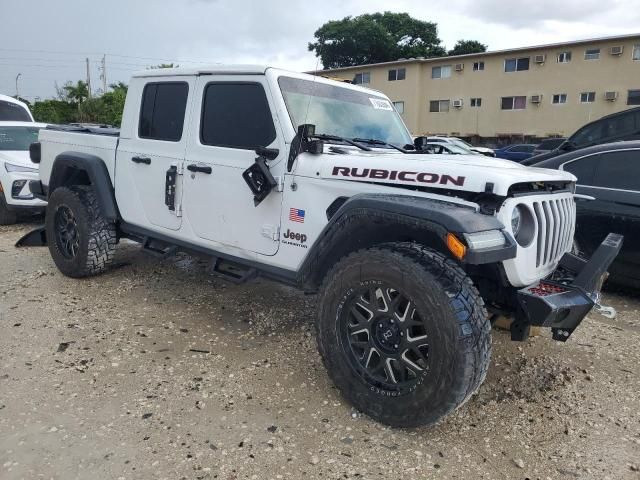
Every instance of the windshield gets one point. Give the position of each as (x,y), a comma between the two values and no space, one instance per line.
(455,148)
(460,144)
(17,138)
(460,141)
(343,112)
(13,112)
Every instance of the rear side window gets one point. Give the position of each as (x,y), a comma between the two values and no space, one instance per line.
(236,115)
(13,112)
(583,168)
(162,111)
(620,170)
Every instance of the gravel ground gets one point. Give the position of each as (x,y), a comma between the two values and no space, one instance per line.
(159,370)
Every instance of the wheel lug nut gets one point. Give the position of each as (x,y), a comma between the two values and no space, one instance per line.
(395,346)
(380,325)
(392,320)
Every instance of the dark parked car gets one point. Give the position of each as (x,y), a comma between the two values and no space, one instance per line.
(548,144)
(517,152)
(611,174)
(612,128)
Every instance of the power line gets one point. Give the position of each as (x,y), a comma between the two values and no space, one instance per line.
(157,59)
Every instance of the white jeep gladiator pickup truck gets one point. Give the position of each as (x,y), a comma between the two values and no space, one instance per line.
(317,184)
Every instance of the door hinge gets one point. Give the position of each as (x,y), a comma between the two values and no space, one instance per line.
(280,183)
(271,231)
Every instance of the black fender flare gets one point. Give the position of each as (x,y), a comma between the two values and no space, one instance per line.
(365,220)
(98,175)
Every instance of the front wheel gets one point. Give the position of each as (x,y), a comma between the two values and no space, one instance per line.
(403,333)
(81,241)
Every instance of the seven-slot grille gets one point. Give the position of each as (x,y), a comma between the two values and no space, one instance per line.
(555,219)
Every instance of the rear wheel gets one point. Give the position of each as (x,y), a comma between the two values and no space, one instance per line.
(81,241)
(403,333)
(7,217)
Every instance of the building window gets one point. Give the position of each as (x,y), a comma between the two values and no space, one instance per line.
(397,74)
(564,57)
(587,97)
(476,102)
(514,103)
(516,64)
(399,107)
(592,54)
(441,72)
(636,52)
(559,98)
(478,66)
(633,97)
(362,78)
(439,106)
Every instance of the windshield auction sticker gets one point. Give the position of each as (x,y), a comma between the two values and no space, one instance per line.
(380,104)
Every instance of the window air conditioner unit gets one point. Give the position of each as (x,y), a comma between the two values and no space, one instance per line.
(539,58)
(610,96)
(459,67)
(617,50)
(457,103)
(536,98)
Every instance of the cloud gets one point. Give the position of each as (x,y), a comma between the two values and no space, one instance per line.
(134,34)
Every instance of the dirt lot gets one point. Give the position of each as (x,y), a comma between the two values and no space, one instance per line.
(158,370)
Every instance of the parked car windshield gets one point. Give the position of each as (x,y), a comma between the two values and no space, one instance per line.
(12,112)
(342,111)
(17,138)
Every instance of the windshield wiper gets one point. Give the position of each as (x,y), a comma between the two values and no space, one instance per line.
(375,141)
(335,138)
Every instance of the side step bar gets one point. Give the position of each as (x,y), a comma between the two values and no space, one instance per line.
(158,248)
(231,272)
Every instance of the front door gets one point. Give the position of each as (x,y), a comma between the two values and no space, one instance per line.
(150,159)
(236,118)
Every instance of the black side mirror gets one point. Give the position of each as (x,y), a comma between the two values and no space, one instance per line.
(268,153)
(420,142)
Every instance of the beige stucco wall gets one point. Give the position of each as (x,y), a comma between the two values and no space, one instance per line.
(609,73)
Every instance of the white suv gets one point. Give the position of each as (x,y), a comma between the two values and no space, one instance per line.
(461,143)
(17,170)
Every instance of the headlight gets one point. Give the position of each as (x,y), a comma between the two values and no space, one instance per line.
(487,239)
(516,218)
(10,167)
(523,225)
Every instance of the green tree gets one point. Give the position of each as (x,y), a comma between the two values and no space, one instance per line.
(463,47)
(77,93)
(54,111)
(373,38)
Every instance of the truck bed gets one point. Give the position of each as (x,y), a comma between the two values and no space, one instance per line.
(57,139)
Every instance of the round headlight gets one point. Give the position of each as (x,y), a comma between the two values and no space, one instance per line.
(516,220)
(523,225)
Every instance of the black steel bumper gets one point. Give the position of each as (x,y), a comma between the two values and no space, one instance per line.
(561,305)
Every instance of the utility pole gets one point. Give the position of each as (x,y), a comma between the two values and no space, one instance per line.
(17,92)
(103,75)
(88,79)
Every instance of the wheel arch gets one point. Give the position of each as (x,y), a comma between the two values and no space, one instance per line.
(78,168)
(366,220)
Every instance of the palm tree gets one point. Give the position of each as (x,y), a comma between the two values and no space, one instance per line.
(76,93)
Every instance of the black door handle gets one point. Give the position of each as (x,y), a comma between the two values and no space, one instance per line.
(197,168)
(145,160)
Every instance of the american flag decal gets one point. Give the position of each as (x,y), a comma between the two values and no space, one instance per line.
(296,215)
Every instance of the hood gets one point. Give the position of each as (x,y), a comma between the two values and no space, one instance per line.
(17,157)
(482,149)
(469,173)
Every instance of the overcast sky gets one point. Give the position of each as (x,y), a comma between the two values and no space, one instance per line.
(47,40)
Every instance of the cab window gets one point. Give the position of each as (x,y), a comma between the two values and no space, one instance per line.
(236,115)
(619,170)
(162,111)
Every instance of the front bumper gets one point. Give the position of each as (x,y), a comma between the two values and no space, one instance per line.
(16,187)
(561,305)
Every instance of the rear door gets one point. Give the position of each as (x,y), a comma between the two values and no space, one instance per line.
(151,153)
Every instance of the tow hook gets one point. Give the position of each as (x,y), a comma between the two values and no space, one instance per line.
(605,310)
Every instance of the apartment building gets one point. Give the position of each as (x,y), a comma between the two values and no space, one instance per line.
(520,94)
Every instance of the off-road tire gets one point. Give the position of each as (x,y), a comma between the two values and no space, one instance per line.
(454,321)
(7,217)
(96,236)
